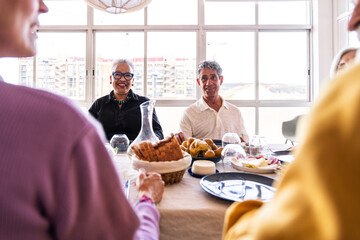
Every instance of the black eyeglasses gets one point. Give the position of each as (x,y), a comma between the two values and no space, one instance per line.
(127,76)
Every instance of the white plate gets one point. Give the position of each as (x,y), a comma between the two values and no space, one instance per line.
(268,169)
(286,158)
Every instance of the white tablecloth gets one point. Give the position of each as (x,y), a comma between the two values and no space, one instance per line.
(186,210)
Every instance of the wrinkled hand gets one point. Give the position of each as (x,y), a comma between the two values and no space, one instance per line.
(150,184)
(180,137)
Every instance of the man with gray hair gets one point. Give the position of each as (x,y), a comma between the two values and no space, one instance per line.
(211,116)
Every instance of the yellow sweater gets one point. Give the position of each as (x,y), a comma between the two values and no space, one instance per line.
(319,195)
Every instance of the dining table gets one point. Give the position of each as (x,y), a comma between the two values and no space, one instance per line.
(186,210)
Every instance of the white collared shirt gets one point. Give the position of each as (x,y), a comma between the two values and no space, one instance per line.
(201,121)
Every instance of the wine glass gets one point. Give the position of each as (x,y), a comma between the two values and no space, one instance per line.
(258,146)
(120,143)
(230,138)
(232,151)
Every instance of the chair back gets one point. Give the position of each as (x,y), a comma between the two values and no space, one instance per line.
(289,129)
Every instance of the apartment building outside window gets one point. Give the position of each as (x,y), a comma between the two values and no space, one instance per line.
(264,47)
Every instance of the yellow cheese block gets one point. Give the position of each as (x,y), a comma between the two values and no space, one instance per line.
(254,163)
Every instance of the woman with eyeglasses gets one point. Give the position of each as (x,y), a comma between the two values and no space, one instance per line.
(119,111)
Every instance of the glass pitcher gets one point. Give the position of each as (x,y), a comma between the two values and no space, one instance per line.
(146,133)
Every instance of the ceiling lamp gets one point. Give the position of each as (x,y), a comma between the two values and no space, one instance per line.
(118,6)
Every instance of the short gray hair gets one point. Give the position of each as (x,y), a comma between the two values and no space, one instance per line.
(116,62)
(209,64)
(337,58)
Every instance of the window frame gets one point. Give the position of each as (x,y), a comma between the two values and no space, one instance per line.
(201,29)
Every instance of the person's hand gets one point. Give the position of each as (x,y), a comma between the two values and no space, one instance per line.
(180,137)
(150,184)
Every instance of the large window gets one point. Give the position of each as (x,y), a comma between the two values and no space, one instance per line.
(263,46)
(283,65)
(60,64)
(171,65)
(235,51)
(113,45)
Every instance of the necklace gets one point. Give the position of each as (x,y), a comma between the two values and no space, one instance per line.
(121,102)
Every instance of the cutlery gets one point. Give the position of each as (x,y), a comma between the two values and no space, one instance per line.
(127,188)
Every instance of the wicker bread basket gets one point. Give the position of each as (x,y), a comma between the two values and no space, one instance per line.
(171,171)
(173,177)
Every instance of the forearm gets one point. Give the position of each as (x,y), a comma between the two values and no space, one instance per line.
(149,221)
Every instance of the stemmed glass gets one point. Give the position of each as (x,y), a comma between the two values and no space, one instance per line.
(230,138)
(232,151)
(123,165)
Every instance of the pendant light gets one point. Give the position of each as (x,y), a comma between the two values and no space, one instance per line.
(118,6)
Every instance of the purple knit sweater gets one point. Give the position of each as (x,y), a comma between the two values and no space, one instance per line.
(57,181)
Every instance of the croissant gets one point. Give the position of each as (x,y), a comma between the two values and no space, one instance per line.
(198,146)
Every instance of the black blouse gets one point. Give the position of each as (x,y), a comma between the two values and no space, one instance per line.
(126,120)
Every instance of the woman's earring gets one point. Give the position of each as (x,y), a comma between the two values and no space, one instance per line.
(132,84)
(110,82)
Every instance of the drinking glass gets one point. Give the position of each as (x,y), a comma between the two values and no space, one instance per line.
(232,151)
(120,143)
(230,138)
(258,146)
